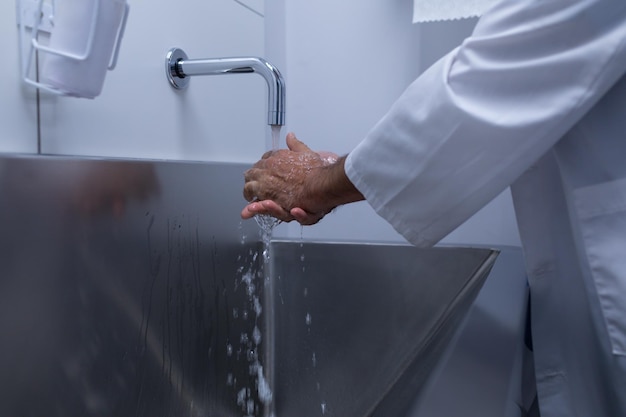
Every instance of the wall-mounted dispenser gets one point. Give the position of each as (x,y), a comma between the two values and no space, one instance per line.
(77,41)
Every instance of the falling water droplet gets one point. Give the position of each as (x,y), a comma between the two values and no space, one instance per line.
(256,335)
(275,137)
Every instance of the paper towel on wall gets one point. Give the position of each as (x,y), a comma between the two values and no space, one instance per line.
(433,10)
(73,24)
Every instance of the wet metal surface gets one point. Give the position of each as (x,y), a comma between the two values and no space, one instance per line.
(132,288)
(360,327)
(120,289)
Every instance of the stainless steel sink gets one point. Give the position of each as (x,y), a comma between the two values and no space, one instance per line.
(132,288)
(359,327)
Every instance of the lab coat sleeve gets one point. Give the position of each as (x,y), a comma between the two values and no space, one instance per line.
(484,113)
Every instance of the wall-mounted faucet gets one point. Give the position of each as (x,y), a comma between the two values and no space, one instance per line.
(179,68)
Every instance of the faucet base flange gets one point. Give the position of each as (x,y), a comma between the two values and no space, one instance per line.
(176,79)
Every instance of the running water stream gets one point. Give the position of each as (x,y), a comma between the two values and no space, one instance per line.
(275,136)
(266,222)
(256,401)
(250,278)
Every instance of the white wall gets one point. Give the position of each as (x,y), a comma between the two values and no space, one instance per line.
(138,114)
(18,106)
(345,63)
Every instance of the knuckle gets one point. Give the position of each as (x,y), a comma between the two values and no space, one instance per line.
(248,192)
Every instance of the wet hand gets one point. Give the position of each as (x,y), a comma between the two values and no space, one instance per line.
(277,184)
(271,208)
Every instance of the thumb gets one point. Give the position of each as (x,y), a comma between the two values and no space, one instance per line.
(294,144)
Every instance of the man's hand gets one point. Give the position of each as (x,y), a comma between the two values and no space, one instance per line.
(270,208)
(297,184)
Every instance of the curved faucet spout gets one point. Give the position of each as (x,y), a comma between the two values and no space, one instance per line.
(179,68)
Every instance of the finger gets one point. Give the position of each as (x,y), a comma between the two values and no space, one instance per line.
(305,218)
(275,210)
(252,174)
(250,190)
(294,144)
(267,207)
(267,154)
(250,211)
(248,175)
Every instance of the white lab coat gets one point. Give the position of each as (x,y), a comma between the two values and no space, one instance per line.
(535,99)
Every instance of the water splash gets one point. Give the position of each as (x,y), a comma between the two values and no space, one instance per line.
(267,223)
(256,399)
(254,396)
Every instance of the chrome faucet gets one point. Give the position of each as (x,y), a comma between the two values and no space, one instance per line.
(179,68)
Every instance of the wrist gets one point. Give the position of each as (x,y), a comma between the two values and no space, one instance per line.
(328,187)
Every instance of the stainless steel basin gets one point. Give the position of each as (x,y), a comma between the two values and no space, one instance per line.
(132,288)
(359,327)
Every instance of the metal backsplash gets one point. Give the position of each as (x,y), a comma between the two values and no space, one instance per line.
(132,288)
(122,289)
